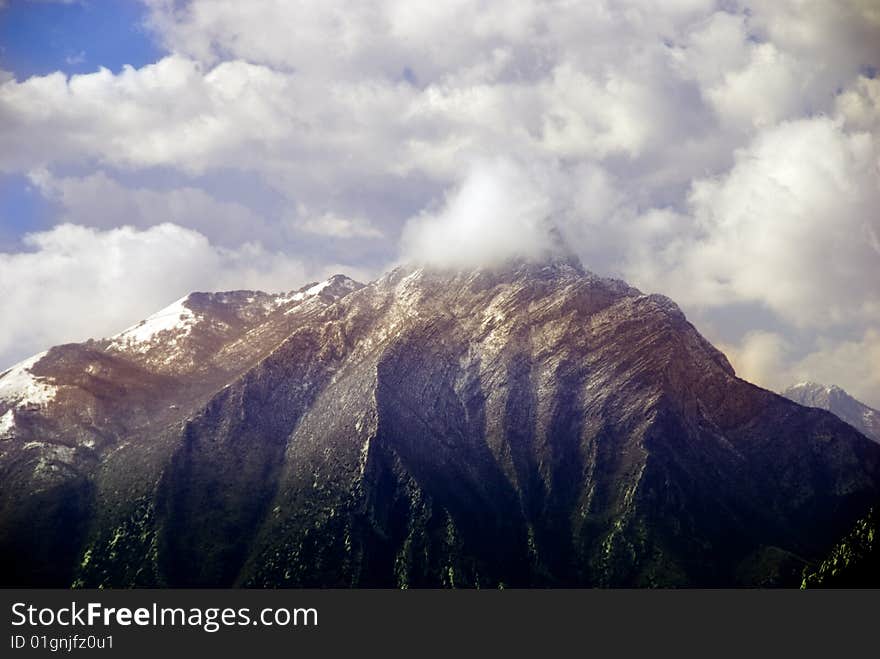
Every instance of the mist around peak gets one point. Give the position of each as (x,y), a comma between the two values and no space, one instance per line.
(499,211)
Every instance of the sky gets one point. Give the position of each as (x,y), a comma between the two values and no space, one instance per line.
(724,153)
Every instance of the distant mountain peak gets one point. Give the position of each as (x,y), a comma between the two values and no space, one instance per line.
(816,386)
(21,387)
(837,401)
(337,286)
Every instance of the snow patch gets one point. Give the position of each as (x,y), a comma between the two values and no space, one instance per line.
(339,280)
(176,317)
(302,295)
(317,288)
(21,387)
(7,423)
(415,274)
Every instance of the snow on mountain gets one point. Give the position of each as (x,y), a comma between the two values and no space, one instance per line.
(176,317)
(301,294)
(317,288)
(527,425)
(7,423)
(176,321)
(838,402)
(337,285)
(20,387)
(204,336)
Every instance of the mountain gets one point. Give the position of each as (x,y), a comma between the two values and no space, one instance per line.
(838,402)
(531,424)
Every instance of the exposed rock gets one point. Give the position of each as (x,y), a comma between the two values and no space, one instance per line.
(854,562)
(531,425)
(834,399)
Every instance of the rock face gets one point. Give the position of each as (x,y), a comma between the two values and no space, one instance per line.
(838,402)
(529,425)
(854,562)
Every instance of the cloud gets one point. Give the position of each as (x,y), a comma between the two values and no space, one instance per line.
(658,93)
(78,58)
(98,200)
(334,226)
(724,153)
(498,211)
(852,364)
(763,358)
(767,89)
(167,112)
(793,226)
(859,106)
(78,282)
(771,360)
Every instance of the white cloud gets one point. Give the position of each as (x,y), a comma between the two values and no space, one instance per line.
(170,112)
(770,360)
(725,153)
(831,40)
(586,118)
(763,358)
(714,47)
(331,225)
(859,106)
(100,201)
(790,226)
(78,282)
(767,89)
(353,38)
(498,211)
(78,58)
(851,364)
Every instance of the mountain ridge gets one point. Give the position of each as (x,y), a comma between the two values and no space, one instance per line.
(837,401)
(528,425)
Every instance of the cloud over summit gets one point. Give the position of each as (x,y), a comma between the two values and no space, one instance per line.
(498,211)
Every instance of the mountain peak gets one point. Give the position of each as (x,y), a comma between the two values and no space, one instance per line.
(810,385)
(529,423)
(840,403)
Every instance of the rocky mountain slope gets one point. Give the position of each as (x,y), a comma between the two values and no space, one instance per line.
(854,562)
(834,399)
(528,425)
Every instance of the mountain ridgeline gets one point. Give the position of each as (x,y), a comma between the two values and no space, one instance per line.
(525,425)
(834,399)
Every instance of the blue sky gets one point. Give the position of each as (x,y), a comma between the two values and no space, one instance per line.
(76,37)
(38,38)
(22,209)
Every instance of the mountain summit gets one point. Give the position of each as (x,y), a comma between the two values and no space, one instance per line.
(525,425)
(838,402)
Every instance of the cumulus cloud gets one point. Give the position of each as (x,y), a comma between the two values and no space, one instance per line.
(859,106)
(497,212)
(771,360)
(332,225)
(172,111)
(77,282)
(767,89)
(763,358)
(852,364)
(724,153)
(100,201)
(793,225)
